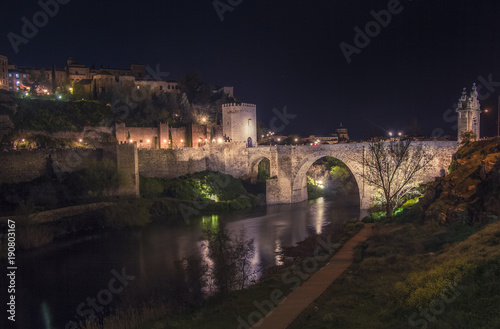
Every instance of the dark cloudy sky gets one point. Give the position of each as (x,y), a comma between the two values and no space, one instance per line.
(286,53)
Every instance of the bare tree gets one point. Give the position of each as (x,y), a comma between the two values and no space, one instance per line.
(231,256)
(394,169)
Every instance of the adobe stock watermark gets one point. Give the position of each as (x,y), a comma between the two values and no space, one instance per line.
(372,29)
(486,87)
(92,306)
(294,277)
(436,306)
(30,28)
(281,119)
(223,6)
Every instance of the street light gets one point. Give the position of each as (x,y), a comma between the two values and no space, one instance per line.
(390,133)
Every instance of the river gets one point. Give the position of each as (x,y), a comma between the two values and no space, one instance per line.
(53,281)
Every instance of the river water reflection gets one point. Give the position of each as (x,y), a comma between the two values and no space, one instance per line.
(54,281)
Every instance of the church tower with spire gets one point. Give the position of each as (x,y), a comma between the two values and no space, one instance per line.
(469,111)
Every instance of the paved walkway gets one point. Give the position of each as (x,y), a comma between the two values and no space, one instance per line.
(295,303)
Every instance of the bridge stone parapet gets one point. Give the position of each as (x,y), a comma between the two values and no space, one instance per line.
(288,164)
(292,163)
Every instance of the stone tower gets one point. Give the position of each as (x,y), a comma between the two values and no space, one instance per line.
(469,111)
(239,123)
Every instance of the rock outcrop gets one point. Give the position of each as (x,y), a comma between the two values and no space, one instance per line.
(471,192)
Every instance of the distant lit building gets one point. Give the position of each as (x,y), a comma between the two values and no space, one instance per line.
(333,139)
(19,80)
(4,71)
(342,133)
(469,110)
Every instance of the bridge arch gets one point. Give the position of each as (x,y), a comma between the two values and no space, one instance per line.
(254,167)
(299,182)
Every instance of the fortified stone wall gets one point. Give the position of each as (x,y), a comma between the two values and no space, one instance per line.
(87,132)
(178,137)
(199,135)
(229,158)
(128,162)
(145,137)
(24,165)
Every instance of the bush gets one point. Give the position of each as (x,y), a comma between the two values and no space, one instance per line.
(205,185)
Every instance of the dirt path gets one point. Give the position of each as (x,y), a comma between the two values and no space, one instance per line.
(284,314)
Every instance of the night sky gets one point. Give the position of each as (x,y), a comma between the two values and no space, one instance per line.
(287,53)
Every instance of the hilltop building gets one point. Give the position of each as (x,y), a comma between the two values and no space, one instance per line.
(95,81)
(469,110)
(342,133)
(4,71)
(340,136)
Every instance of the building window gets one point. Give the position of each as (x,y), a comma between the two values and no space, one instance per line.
(17,88)
(24,76)
(10,75)
(17,76)
(161,87)
(10,87)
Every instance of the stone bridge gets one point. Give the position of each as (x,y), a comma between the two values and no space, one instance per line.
(289,165)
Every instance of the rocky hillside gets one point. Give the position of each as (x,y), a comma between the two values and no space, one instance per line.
(471,192)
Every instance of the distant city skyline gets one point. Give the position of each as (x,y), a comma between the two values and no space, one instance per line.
(410,63)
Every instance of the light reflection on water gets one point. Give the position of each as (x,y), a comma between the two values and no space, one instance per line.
(56,280)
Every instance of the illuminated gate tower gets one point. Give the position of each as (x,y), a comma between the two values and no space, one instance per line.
(469,111)
(239,123)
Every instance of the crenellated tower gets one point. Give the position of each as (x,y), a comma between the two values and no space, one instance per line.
(239,123)
(469,110)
